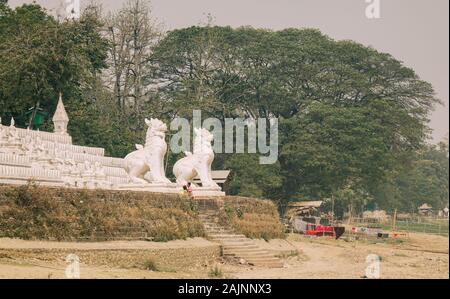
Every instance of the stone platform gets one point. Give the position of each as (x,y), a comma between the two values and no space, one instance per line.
(205,192)
(157,188)
(50,159)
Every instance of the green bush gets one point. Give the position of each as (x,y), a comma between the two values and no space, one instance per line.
(31,212)
(151,265)
(215,272)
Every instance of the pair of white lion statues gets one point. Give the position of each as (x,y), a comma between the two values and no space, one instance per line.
(146,164)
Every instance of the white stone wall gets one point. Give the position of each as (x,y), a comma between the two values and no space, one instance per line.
(51,159)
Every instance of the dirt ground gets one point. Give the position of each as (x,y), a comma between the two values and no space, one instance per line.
(417,256)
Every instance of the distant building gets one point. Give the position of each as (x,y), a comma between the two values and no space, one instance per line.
(425,210)
(445,212)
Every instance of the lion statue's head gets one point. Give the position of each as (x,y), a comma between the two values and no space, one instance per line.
(156,125)
(203,135)
(202,140)
(156,130)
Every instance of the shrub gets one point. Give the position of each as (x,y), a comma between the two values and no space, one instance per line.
(255,218)
(216,272)
(151,265)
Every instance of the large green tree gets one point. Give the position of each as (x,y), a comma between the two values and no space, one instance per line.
(349,114)
(353,121)
(425,181)
(41,57)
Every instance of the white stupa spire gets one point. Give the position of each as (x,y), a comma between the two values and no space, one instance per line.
(60,118)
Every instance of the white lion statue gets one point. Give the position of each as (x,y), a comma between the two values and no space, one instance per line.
(197,163)
(149,158)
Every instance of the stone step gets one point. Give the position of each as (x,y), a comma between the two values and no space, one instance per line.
(219,232)
(258,262)
(247,251)
(213,225)
(250,255)
(208,226)
(208,217)
(261,261)
(243,243)
(232,242)
(228,236)
(246,247)
(214,228)
(239,244)
(258,251)
(214,233)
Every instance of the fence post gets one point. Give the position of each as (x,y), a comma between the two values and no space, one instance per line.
(394,223)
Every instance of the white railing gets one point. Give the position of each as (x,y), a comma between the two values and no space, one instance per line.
(119,180)
(28,173)
(105,161)
(46,136)
(13,160)
(76,149)
(115,172)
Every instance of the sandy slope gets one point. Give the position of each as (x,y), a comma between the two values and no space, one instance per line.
(419,256)
(189,243)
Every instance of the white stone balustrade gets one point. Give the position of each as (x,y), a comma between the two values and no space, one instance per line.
(30,173)
(115,172)
(107,161)
(52,159)
(45,136)
(119,180)
(14,160)
(95,151)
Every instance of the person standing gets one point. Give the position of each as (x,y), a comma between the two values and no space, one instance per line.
(189,190)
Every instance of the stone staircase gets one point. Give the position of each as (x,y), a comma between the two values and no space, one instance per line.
(237,246)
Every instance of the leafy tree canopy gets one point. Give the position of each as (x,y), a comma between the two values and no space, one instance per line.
(353,121)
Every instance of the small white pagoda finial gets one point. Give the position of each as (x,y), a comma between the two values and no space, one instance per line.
(60,119)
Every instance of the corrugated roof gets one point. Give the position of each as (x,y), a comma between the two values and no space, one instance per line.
(425,206)
(314,204)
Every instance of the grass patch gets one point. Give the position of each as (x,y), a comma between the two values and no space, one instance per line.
(31,212)
(216,272)
(151,265)
(426,227)
(285,255)
(254,218)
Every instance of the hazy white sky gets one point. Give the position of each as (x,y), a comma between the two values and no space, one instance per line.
(414,31)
